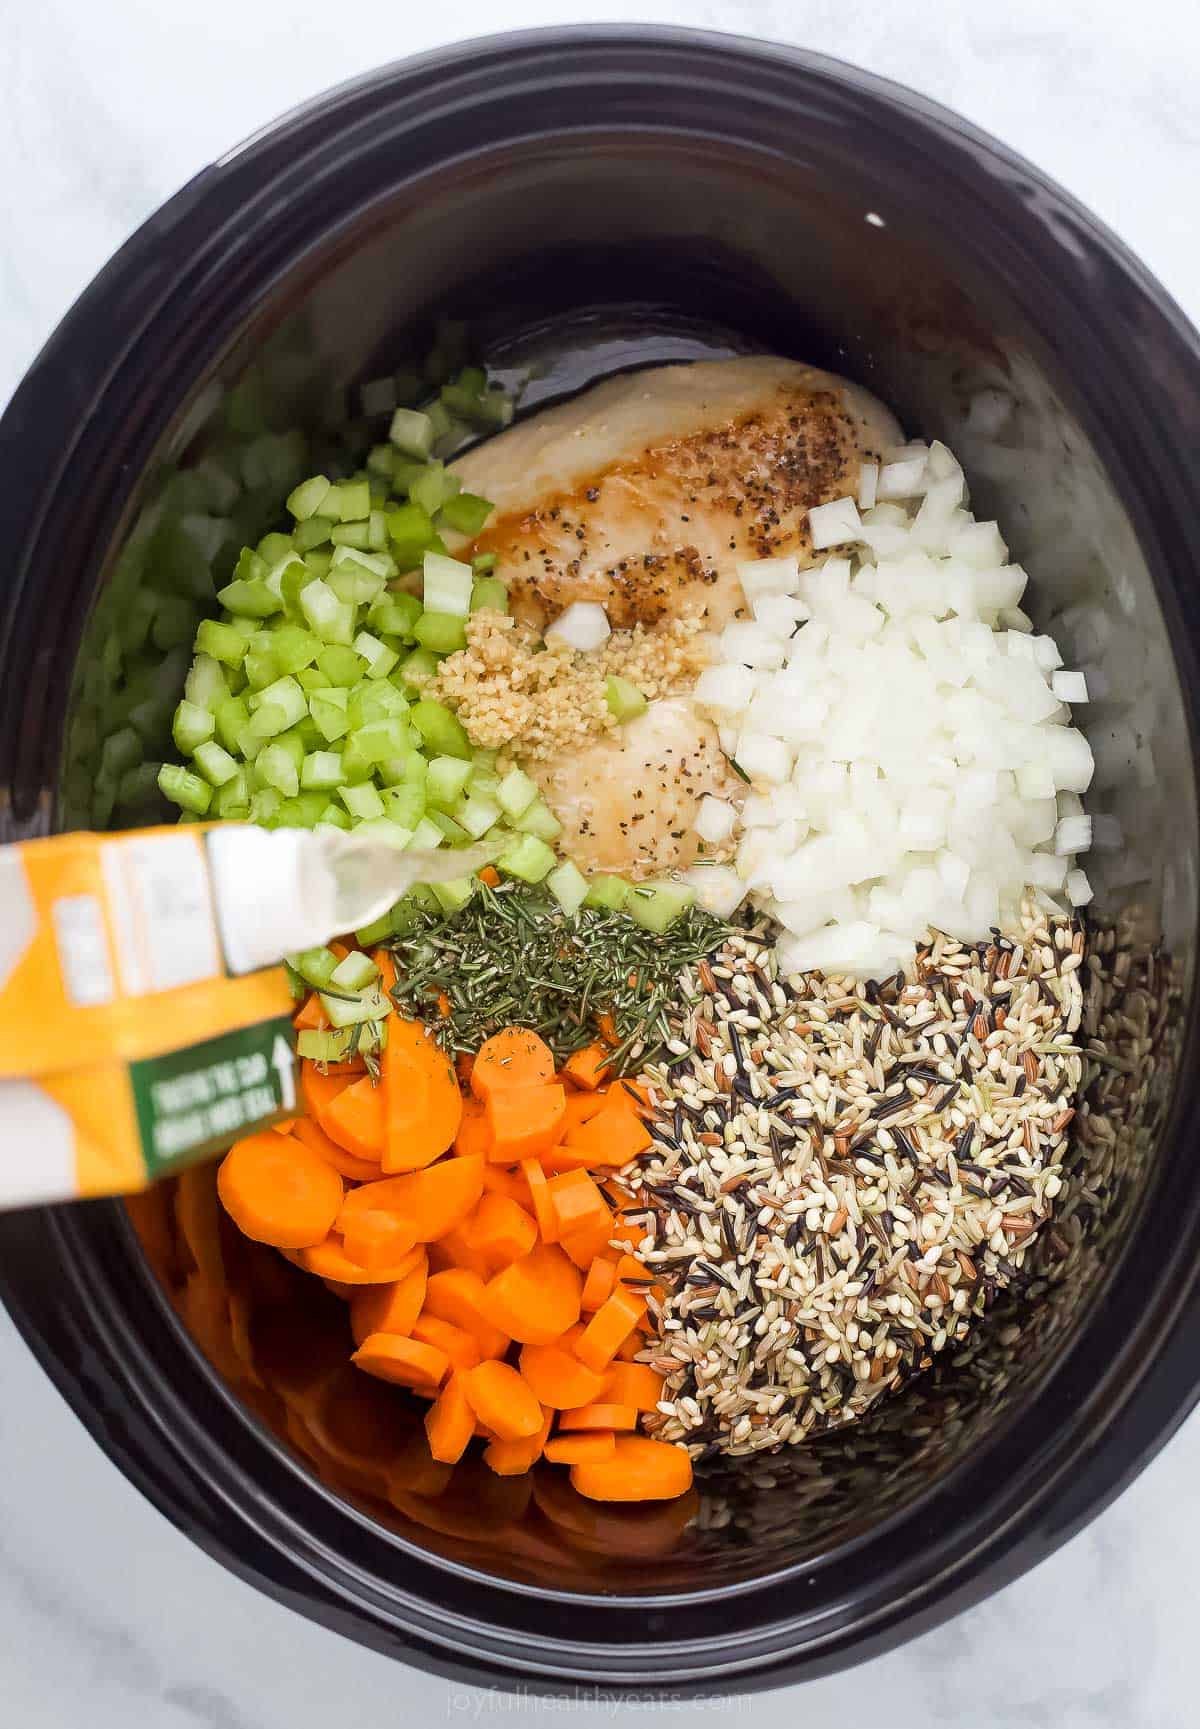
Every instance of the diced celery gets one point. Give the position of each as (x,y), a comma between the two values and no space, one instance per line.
(206,684)
(221,641)
(378,932)
(312,533)
(368,1005)
(466,513)
(528,859)
(489,592)
(538,820)
(409,769)
(376,526)
(191,726)
(315,966)
(265,723)
(381,460)
(427,835)
(283,694)
(375,699)
(308,497)
(394,614)
(404,804)
(296,576)
(477,815)
(485,761)
(307,734)
(568,885)
(328,710)
(376,741)
(517,792)
(325,1045)
(362,801)
(231,717)
(417,667)
(250,567)
(380,659)
(303,811)
(288,575)
(495,408)
(453,896)
(624,700)
(355,972)
(353,582)
(340,665)
(447,780)
(656,906)
(215,764)
(440,632)
(447,585)
(608,893)
(333,816)
(294,648)
(293,743)
(351,534)
(321,770)
(275,767)
(348,502)
(273,548)
(412,433)
(261,667)
(385,831)
(410,530)
(184,788)
(251,599)
(331,618)
(232,801)
(265,806)
(452,831)
(442,731)
(318,563)
(433,487)
(311,678)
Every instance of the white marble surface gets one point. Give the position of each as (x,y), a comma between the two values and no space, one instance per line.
(108,1616)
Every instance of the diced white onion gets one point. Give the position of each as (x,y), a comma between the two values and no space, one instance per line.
(714,819)
(1073,834)
(1069,686)
(583,626)
(831,524)
(868,485)
(1079,889)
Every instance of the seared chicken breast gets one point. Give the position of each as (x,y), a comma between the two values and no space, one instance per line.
(643,492)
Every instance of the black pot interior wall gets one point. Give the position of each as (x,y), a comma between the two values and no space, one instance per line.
(570,264)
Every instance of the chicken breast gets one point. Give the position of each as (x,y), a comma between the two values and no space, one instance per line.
(643,492)
(627,803)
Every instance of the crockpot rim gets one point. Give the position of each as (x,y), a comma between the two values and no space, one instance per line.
(929,115)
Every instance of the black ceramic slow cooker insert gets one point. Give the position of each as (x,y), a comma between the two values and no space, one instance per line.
(590,199)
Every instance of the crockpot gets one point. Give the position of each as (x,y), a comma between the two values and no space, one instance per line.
(588,199)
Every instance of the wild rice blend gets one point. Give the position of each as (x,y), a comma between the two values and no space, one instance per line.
(844,1175)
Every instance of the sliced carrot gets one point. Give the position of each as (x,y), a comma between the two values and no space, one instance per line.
(565,1157)
(580,1449)
(588,1240)
(613,1136)
(450,1423)
(462,1348)
(474,1133)
(543,1206)
(588,1067)
(456,1250)
(558,1378)
(639,1469)
(490,875)
(389,1308)
(631,1235)
(635,1384)
(329,1260)
(500,1231)
(422,1103)
(514,1458)
(499,1181)
(598,1285)
(512,1058)
(609,1327)
(631,1096)
(310,1016)
(629,1349)
(535,1299)
(357,1170)
(525,1121)
(599,1416)
(278,1191)
(503,1401)
(377,1239)
(577,1201)
(318,1089)
(582,1107)
(407,1362)
(285,1125)
(607,1028)
(454,1295)
(432,1201)
(355,1118)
